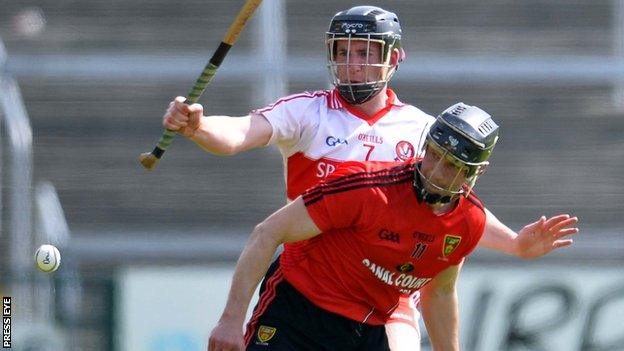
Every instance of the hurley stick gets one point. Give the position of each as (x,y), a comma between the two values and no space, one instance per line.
(149,159)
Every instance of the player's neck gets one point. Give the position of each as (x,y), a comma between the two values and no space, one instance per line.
(374,105)
(440,210)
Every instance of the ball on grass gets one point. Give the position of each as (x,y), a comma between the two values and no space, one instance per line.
(47,258)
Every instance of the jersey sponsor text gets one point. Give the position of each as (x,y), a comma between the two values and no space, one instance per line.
(406,283)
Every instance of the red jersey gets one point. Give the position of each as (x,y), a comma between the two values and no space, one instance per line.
(377,241)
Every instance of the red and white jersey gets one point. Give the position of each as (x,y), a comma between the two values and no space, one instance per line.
(316,132)
(378,242)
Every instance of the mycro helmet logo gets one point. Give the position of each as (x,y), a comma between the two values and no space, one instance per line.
(352,27)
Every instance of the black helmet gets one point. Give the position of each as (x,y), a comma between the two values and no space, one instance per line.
(370,24)
(466,136)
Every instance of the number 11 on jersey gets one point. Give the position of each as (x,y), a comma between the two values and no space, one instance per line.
(419,250)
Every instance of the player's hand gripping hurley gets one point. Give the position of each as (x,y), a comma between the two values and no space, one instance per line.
(149,159)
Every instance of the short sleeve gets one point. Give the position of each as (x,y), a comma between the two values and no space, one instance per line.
(476,225)
(294,120)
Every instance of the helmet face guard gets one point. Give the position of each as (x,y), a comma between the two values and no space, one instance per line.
(463,138)
(371,29)
(460,181)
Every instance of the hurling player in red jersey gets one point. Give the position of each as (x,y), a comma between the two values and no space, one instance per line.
(373,232)
(361,119)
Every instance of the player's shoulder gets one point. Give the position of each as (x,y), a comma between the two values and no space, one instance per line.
(414,112)
(368,181)
(372,170)
(473,200)
(306,97)
(299,101)
(474,217)
(474,203)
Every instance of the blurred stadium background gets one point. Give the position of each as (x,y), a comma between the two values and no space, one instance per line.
(147,256)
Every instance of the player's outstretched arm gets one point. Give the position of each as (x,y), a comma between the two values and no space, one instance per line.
(534,240)
(440,310)
(220,135)
(290,223)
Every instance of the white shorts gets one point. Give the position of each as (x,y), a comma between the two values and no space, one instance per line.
(407,311)
(402,328)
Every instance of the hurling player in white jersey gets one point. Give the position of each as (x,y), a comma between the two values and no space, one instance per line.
(360,119)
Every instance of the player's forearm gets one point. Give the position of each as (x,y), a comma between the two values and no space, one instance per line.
(250,268)
(220,135)
(441,316)
(501,240)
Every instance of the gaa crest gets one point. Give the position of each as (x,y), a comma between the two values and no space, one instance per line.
(451,242)
(404,150)
(266,333)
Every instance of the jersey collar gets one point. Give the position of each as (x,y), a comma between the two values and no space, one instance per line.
(335,101)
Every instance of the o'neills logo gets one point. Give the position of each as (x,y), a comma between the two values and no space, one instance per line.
(369,138)
(406,283)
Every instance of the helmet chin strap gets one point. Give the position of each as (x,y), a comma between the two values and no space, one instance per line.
(423,195)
